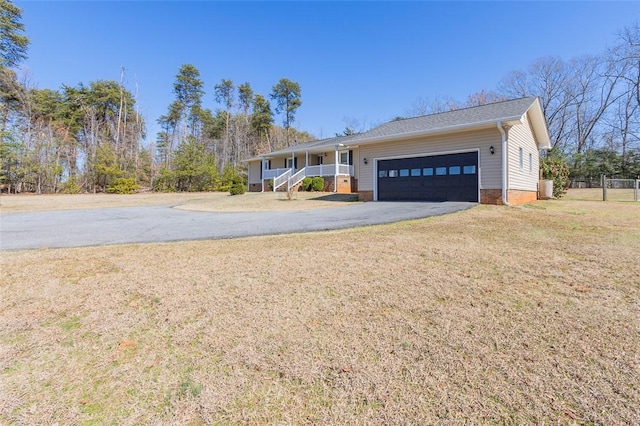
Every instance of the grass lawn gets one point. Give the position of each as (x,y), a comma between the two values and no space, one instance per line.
(509,315)
(200,201)
(595,194)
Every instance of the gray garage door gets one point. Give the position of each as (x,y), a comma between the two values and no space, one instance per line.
(450,177)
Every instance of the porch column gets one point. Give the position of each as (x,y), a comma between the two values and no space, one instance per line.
(306,159)
(262,174)
(335,172)
(293,163)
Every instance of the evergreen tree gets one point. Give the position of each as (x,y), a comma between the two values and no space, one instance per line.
(13,43)
(286,93)
(262,117)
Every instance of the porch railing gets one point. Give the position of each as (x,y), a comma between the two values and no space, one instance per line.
(329,170)
(296,178)
(284,175)
(272,173)
(280,180)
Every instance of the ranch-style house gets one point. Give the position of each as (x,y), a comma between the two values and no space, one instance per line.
(487,154)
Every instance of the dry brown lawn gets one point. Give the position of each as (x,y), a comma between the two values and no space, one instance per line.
(595,194)
(200,201)
(494,315)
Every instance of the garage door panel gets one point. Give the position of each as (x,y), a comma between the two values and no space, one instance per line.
(450,177)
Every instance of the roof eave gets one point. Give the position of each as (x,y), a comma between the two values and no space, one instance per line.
(539,125)
(448,129)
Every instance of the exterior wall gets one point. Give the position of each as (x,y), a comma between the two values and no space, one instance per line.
(490,165)
(525,178)
(345,184)
(256,187)
(253,169)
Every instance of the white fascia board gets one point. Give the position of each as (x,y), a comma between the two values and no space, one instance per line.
(539,125)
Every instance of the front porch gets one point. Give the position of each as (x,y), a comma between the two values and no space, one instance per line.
(337,177)
(322,170)
(282,170)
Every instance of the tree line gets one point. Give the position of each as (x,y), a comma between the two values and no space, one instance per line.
(591,104)
(199,149)
(91,137)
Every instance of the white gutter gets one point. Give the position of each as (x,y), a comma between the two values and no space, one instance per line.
(436,131)
(505,163)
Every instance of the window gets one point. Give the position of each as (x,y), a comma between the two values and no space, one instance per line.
(415,172)
(441,171)
(344,157)
(320,159)
(404,172)
(393,173)
(427,171)
(454,170)
(521,159)
(530,163)
(469,170)
(382,173)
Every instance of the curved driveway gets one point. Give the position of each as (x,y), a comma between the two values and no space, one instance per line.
(79,228)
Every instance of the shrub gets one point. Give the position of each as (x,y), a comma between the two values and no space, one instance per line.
(557,170)
(122,186)
(71,186)
(317,183)
(237,188)
(306,183)
(165,182)
(230,175)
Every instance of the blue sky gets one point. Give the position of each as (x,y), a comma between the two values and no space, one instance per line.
(363,60)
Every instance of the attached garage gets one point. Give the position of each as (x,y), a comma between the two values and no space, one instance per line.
(448,177)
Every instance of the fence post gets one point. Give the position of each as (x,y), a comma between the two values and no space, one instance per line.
(604,188)
(636,190)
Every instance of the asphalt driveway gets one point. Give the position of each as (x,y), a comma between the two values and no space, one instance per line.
(95,227)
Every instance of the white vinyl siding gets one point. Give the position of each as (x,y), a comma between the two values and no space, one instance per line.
(490,171)
(522,144)
(254,171)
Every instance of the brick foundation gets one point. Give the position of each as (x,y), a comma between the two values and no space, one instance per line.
(365,195)
(521,197)
(514,196)
(255,187)
(491,196)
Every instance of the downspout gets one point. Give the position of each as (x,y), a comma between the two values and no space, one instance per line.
(505,164)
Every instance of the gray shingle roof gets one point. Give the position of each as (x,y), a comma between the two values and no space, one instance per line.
(468,117)
(506,110)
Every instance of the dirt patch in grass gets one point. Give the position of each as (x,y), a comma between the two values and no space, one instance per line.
(198,201)
(510,315)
